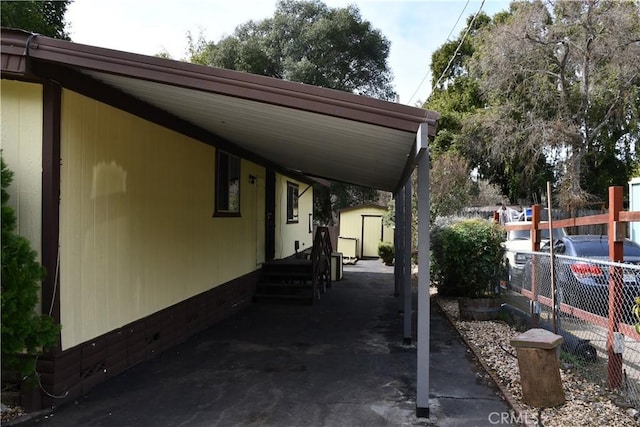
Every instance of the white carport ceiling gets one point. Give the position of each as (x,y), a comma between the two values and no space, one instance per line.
(316,131)
(314,144)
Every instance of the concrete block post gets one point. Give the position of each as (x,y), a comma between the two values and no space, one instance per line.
(537,351)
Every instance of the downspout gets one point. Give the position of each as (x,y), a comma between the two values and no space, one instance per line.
(27,49)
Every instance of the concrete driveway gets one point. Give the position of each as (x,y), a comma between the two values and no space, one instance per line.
(340,362)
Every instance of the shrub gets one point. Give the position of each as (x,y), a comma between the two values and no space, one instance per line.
(467,258)
(24,333)
(387,252)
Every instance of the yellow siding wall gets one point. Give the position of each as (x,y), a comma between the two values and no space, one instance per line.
(21,145)
(136,226)
(287,234)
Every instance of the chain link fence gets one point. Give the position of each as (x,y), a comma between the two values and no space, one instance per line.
(598,326)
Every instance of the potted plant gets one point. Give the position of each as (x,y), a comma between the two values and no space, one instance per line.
(468,263)
(387,252)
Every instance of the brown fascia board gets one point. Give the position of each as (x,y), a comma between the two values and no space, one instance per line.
(226,82)
(13,65)
(13,57)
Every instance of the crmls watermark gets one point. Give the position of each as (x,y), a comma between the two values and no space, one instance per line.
(510,418)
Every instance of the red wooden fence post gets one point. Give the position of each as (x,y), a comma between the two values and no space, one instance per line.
(535,246)
(615,286)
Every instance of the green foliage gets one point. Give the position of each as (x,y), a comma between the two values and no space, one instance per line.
(547,91)
(322,212)
(467,257)
(24,333)
(449,184)
(389,215)
(307,42)
(337,196)
(458,97)
(561,85)
(41,17)
(387,252)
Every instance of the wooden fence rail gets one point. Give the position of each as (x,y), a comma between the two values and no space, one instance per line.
(616,220)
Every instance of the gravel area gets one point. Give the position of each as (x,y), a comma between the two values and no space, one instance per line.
(10,413)
(588,401)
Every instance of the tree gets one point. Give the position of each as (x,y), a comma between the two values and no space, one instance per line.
(449,184)
(562,82)
(455,93)
(308,42)
(42,17)
(458,97)
(24,333)
(338,195)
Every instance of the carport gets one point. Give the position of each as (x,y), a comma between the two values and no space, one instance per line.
(287,125)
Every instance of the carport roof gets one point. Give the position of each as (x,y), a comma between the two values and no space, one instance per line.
(315,131)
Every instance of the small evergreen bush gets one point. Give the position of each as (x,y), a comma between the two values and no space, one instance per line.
(387,252)
(24,333)
(467,258)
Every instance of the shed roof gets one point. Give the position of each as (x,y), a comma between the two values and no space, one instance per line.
(315,131)
(363,206)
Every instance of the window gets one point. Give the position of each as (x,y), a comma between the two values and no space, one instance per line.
(227,185)
(292,202)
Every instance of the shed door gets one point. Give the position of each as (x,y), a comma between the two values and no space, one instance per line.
(371,235)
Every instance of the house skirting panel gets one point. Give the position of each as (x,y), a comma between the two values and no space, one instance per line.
(71,373)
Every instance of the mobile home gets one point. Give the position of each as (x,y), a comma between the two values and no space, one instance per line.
(154,190)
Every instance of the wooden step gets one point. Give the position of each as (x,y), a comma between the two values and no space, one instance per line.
(306,297)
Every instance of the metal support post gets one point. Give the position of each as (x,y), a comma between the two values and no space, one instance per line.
(406,265)
(422,395)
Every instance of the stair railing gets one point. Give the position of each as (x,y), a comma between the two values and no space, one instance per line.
(321,260)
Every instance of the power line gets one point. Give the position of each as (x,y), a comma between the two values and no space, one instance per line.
(458,20)
(457,49)
(460,44)
(448,37)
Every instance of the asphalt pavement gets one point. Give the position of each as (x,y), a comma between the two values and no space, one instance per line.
(339,362)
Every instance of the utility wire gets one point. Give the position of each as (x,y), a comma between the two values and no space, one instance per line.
(458,20)
(456,51)
(448,37)
(459,45)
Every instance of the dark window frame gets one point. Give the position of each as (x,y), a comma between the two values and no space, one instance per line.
(228,172)
(293,209)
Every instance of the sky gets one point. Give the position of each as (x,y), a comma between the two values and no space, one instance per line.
(415,28)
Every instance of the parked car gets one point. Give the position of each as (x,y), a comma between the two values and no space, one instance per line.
(582,281)
(517,247)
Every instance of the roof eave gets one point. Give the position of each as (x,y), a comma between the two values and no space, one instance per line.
(269,90)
